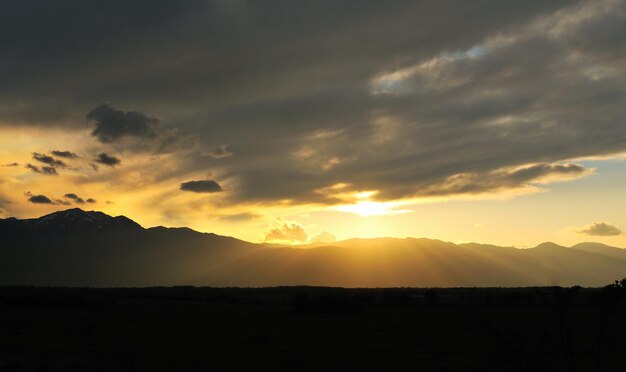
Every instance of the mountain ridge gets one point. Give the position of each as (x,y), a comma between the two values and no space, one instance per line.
(89,248)
(102,220)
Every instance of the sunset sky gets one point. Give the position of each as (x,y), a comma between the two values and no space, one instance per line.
(498,122)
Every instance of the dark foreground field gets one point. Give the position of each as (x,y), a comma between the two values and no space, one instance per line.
(312,329)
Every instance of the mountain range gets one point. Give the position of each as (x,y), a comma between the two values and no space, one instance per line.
(89,248)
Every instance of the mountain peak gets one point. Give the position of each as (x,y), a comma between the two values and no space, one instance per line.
(548,245)
(76,220)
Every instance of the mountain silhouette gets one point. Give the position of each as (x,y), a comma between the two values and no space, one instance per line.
(74,221)
(89,248)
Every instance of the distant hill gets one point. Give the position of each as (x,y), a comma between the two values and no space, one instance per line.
(80,248)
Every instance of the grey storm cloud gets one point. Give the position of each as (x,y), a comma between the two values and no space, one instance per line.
(206,186)
(600,229)
(40,199)
(64,154)
(50,171)
(109,160)
(410,98)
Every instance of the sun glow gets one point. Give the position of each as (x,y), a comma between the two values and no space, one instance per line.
(371,208)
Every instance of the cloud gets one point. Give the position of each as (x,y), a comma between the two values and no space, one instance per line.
(239,217)
(324,237)
(434,98)
(49,160)
(207,186)
(75,198)
(112,124)
(220,152)
(105,159)
(40,199)
(11,165)
(50,171)
(477,183)
(600,229)
(287,233)
(64,154)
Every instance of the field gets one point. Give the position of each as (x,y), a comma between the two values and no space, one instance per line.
(312,329)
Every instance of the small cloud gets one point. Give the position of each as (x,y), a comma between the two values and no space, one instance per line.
(287,233)
(105,159)
(63,202)
(95,167)
(220,152)
(50,171)
(112,124)
(324,237)
(239,217)
(39,199)
(77,199)
(11,165)
(64,154)
(49,160)
(207,186)
(600,229)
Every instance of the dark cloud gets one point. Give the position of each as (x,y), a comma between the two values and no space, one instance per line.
(286,232)
(600,229)
(11,165)
(64,154)
(112,124)
(437,94)
(105,159)
(50,171)
(77,199)
(207,186)
(49,160)
(40,199)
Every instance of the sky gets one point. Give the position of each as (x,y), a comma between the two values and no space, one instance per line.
(499,122)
